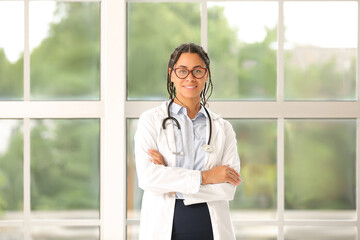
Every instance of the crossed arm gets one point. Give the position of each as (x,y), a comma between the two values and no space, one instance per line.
(219,174)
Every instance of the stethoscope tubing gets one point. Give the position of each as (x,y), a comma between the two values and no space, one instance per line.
(169,117)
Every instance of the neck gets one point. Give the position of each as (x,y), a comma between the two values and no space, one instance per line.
(192,107)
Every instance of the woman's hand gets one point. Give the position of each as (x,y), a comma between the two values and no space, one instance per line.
(156,157)
(221,174)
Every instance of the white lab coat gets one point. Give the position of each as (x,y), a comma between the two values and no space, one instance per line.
(158,182)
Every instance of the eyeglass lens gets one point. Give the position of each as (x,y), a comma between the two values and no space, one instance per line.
(197,72)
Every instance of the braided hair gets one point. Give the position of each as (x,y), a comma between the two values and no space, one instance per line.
(189,48)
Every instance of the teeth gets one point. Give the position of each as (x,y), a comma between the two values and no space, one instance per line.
(189,86)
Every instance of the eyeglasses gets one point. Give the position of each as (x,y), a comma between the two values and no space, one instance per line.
(197,72)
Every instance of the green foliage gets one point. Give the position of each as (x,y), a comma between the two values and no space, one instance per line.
(65,164)
(65,154)
(66,65)
(11,172)
(154,30)
(319,174)
(11,78)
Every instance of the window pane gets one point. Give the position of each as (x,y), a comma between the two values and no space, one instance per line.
(11,169)
(65,233)
(154,30)
(242,40)
(11,50)
(256,197)
(65,168)
(134,193)
(320,50)
(65,50)
(320,233)
(11,233)
(256,232)
(320,177)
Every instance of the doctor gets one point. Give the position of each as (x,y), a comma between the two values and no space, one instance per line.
(186,158)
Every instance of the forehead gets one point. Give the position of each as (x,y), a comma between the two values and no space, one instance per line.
(190,60)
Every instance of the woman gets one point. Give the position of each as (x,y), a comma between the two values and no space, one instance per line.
(186,158)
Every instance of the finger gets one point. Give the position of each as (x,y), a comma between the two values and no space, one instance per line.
(157,154)
(151,153)
(234,178)
(156,162)
(154,151)
(233,175)
(234,172)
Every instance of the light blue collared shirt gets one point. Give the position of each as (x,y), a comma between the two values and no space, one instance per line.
(193,135)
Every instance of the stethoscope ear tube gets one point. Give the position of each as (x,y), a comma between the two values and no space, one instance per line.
(210,126)
(205,147)
(170,118)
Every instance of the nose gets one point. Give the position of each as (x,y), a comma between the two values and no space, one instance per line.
(190,77)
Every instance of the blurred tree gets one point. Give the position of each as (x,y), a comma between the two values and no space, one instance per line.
(65,164)
(154,30)
(66,66)
(11,172)
(11,78)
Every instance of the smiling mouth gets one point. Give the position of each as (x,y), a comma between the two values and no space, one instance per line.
(190,87)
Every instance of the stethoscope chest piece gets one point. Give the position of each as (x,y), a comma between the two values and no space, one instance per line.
(207,148)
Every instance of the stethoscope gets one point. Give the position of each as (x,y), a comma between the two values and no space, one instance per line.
(205,147)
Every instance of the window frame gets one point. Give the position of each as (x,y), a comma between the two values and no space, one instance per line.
(281,110)
(113,109)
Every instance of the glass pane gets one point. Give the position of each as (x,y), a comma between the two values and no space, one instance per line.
(255,232)
(65,50)
(11,50)
(132,232)
(320,50)
(11,169)
(320,233)
(242,40)
(256,197)
(65,168)
(320,177)
(65,233)
(154,30)
(11,233)
(134,193)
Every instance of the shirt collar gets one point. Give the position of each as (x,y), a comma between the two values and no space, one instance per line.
(177,110)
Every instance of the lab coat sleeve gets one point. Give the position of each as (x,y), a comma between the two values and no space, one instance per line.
(220,191)
(158,178)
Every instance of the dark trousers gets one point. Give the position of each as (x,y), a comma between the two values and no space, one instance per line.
(191,222)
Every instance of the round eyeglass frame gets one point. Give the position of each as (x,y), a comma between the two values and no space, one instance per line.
(191,72)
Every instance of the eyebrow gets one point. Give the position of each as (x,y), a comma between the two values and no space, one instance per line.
(182,66)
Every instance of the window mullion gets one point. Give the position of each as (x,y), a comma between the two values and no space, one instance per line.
(357,175)
(204,22)
(280,178)
(26,53)
(26,128)
(357,80)
(27,180)
(280,54)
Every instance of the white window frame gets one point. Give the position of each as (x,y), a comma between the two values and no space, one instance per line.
(113,109)
(280,110)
